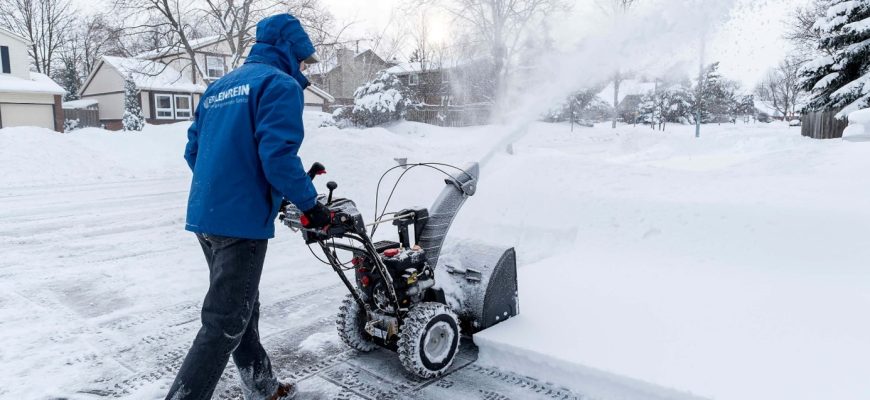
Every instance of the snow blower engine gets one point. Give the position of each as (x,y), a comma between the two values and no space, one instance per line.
(395,301)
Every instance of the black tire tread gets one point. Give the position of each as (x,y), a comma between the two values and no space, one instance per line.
(348,325)
(412,330)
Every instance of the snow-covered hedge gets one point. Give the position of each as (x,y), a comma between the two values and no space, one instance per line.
(382,100)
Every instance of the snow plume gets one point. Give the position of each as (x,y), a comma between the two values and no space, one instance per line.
(656,37)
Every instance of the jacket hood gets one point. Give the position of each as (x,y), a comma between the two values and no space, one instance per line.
(282,43)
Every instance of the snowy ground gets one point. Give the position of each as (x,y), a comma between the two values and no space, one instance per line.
(731,267)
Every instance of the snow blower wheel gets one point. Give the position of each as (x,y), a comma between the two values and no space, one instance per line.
(393,300)
(428,340)
(351,324)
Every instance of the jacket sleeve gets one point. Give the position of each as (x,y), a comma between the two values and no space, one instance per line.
(279,133)
(192,147)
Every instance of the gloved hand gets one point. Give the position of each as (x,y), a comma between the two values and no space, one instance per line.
(318,217)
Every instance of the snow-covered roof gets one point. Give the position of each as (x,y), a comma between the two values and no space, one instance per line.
(628,87)
(153,75)
(327,66)
(172,50)
(79,104)
(411,67)
(321,93)
(14,35)
(38,83)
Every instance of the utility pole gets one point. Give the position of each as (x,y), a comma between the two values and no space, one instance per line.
(700,96)
(572,114)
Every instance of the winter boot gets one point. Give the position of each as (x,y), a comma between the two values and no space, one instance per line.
(286,391)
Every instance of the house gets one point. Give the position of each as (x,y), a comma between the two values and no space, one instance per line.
(170,85)
(455,84)
(347,71)
(631,93)
(26,98)
(426,81)
(166,94)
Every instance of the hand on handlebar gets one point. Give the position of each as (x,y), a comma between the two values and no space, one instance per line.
(318,217)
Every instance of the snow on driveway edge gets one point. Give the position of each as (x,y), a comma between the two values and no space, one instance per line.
(587,381)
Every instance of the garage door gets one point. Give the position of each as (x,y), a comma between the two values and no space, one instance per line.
(41,115)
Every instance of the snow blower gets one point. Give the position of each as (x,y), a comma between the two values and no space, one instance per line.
(395,301)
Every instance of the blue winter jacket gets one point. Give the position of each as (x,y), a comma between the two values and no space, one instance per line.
(248,128)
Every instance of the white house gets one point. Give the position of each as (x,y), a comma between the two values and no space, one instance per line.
(170,86)
(26,98)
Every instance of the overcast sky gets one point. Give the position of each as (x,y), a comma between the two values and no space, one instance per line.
(748,45)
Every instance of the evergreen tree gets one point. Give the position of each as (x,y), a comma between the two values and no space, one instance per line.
(382,100)
(746,106)
(840,77)
(650,108)
(133,120)
(69,80)
(716,98)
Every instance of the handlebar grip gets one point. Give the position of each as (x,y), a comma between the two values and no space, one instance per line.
(316,169)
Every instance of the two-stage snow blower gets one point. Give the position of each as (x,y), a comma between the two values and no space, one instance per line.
(395,301)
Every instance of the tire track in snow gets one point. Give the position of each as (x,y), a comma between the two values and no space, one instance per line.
(171,340)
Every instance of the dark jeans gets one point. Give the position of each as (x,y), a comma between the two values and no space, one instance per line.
(230,313)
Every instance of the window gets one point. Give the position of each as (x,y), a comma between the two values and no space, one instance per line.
(413,80)
(183,108)
(4,59)
(445,77)
(163,106)
(214,67)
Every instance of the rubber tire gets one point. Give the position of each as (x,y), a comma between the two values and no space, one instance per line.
(350,324)
(417,323)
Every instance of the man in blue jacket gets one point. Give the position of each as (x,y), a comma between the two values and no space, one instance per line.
(242,148)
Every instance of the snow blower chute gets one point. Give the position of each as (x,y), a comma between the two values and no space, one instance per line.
(395,301)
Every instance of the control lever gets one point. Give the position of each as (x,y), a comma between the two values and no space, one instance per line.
(331,185)
(316,169)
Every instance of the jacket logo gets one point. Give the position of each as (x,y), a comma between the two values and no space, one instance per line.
(223,98)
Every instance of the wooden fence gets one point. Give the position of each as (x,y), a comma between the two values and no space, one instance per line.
(823,125)
(87,117)
(450,116)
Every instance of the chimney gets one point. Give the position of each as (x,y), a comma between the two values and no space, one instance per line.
(344,56)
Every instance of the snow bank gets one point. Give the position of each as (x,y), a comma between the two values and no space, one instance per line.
(859,127)
(38,156)
(717,267)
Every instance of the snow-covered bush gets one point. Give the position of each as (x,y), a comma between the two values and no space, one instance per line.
(669,105)
(584,107)
(382,100)
(133,120)
(859,126)
(70,125)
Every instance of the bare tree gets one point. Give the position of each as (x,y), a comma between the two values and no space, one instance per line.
(170,26)
(95,38)
(235,21)
(498,26)
(781,88)
(171,22)
(616,9)
(802,31)
(43,22)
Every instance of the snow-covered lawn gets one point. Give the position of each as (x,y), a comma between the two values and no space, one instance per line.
(732,266)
